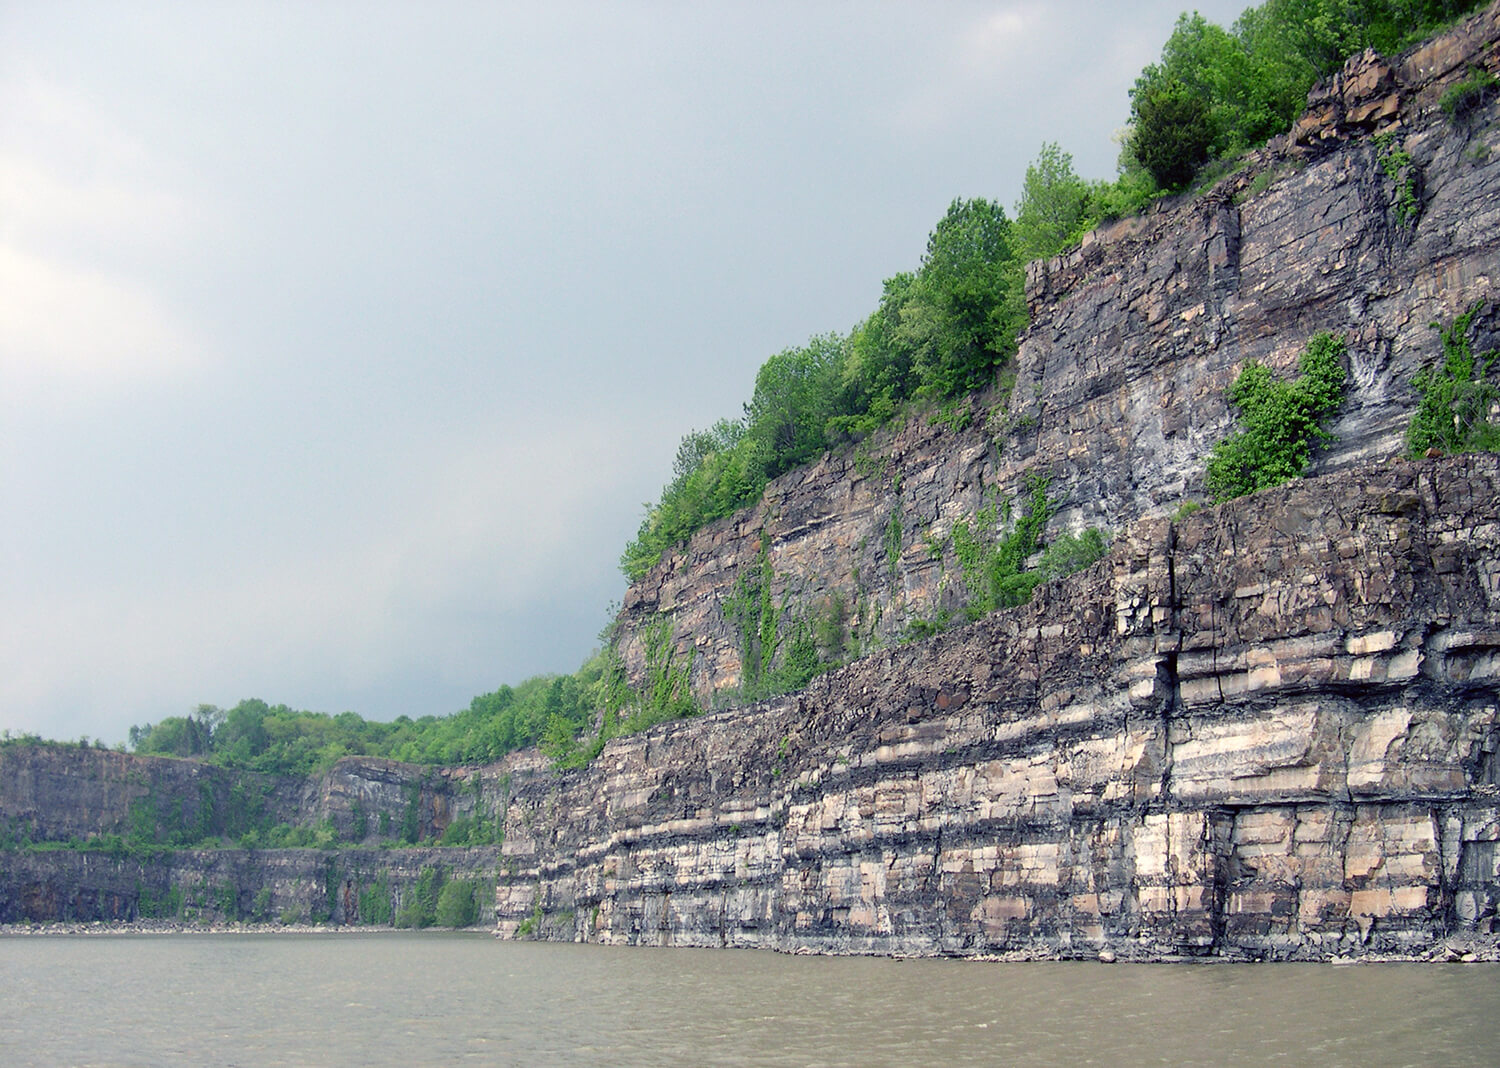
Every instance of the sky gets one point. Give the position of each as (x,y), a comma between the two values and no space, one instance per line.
(341,344)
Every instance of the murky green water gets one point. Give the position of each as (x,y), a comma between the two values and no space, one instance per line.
(378,999)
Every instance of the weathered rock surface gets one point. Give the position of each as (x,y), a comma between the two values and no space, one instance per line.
(211,886)
(1268,729)
(53,793)
(1121,378)
(57,794)
(1265,729)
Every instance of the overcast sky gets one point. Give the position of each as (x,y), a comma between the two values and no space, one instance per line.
(340,344)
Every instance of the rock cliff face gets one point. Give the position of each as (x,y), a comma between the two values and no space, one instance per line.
(1121,377)
(1268,729)
(56,793)
(338,886)
(52,794)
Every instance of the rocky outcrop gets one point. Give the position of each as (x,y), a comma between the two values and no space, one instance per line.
(212,886)
(56,792)
(1269,729)
(123,818)
(1265,729)
(1120,380)
(366,799)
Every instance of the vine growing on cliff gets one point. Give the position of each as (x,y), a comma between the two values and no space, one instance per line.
(1401,169)
(666,692)
(1282,421)
(1458,396)
(774,661)
(993,565)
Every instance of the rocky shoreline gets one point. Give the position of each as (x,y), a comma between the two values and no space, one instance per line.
(1465,948)
(177,927)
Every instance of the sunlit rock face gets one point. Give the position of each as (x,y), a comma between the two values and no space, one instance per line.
(1135,336)
(1268,729)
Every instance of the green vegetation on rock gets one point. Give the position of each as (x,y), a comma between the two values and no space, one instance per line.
(1464,99)
(1458,396)
(1214,93)
(1282,421)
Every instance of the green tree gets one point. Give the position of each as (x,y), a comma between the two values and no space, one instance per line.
(878,372)
(959,320)
(1172,134)
(456,906)
(793,400)
(1053,205)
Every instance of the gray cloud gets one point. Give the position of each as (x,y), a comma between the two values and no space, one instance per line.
(341,344)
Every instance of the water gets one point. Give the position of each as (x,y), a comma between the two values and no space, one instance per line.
(377,999)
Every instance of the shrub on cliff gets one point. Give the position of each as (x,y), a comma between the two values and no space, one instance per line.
(1462,101)
(1282,421)
(1458,396)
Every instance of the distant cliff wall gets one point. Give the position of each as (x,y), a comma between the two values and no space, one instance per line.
(337,886)
(1120,379)
(1269,729)
(51,795)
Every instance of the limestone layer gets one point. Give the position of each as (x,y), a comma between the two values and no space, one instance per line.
(1267,729)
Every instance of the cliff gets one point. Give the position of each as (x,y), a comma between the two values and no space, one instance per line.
(1120,380)
(162,810)
(1268,730)
(1263,729)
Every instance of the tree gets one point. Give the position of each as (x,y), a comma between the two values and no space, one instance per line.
(1053,205)
(455,904)
(794,393)
(1172,134)
(959,321)
(878,371)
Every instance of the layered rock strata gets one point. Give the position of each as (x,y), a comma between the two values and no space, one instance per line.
(55,795)
(214,886)
(1120,380)
(1268,729)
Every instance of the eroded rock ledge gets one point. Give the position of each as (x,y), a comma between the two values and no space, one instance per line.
(1268,729)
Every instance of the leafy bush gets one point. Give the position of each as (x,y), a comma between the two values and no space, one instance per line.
(1457,397)
(1463,100)
(1282,420)
(458,904)
(1072,552)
